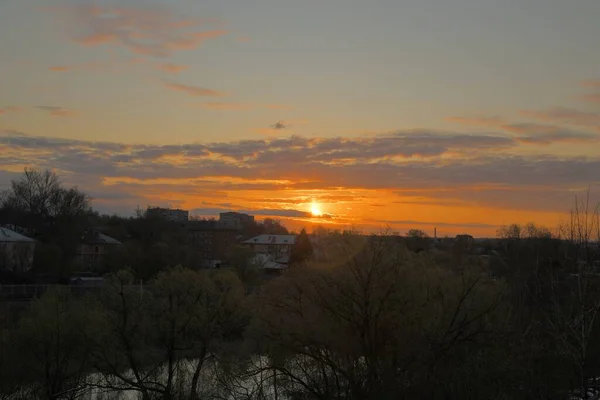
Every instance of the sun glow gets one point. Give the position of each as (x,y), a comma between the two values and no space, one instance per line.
(315,210)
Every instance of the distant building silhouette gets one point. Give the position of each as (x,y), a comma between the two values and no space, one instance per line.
(168,214)
(212,242)
(235,220)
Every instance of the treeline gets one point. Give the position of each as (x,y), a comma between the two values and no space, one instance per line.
(370,319)
(41,207)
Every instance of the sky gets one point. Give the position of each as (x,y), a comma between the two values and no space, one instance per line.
(464,115)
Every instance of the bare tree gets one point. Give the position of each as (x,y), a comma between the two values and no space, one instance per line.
(51,342)
(39,196)
(576,303)
(379,324)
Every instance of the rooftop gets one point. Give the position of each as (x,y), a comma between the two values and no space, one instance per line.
(272,239)
(6,235)
(94,237)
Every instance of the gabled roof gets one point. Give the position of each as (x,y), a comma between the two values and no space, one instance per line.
(95,237)
(272,239)
(6,235)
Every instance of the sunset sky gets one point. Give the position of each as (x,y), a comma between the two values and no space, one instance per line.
(458,114)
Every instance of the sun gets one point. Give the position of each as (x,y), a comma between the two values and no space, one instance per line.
(315,210)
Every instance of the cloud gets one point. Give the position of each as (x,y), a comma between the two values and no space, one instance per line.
(566,115)
(540,134)
(382,161)
(148,30)
(279,125)
(226,106)
(417,167)
(436,224)
(59,68)
(57,111)
(477,121)
(172,68)
(278,107)
(592,98)
(194,90)
(591,84)
(10,109)
(268,212)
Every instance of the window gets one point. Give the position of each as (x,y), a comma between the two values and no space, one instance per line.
(96,249)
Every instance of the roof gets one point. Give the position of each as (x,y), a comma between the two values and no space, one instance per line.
(272,239)
(99,238)
(6,235)
(273,266)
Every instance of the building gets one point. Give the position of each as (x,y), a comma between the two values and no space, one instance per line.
(168,214)
(16,251)
(235,220)
(212,242)
(92,248)
(277,246)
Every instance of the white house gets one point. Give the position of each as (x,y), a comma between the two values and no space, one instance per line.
(276,246)
(16,251)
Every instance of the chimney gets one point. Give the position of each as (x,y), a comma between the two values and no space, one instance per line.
(435,233)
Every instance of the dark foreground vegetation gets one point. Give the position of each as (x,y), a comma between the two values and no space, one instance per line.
(365,317)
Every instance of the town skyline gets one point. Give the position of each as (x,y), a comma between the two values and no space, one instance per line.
(465,116)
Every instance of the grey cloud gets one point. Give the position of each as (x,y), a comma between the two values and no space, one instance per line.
(56,111)
(541,134)
(302,163)
(566,115)
(279,125)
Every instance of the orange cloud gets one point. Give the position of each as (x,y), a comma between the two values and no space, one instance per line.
(173,68)
(59,68)
(483,188)
(477,121)
(147,30)
(193,90)
(226,106)
(96,39)
(591,84)
(592,98)
(278,107)
(10,109)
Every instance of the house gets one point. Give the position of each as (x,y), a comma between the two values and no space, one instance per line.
(276,246)
(16,251)
(269,265)
(211,241)
(235,220)
(92,248)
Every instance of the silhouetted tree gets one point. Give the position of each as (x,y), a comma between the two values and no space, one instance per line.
(416,233)
(302,249)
